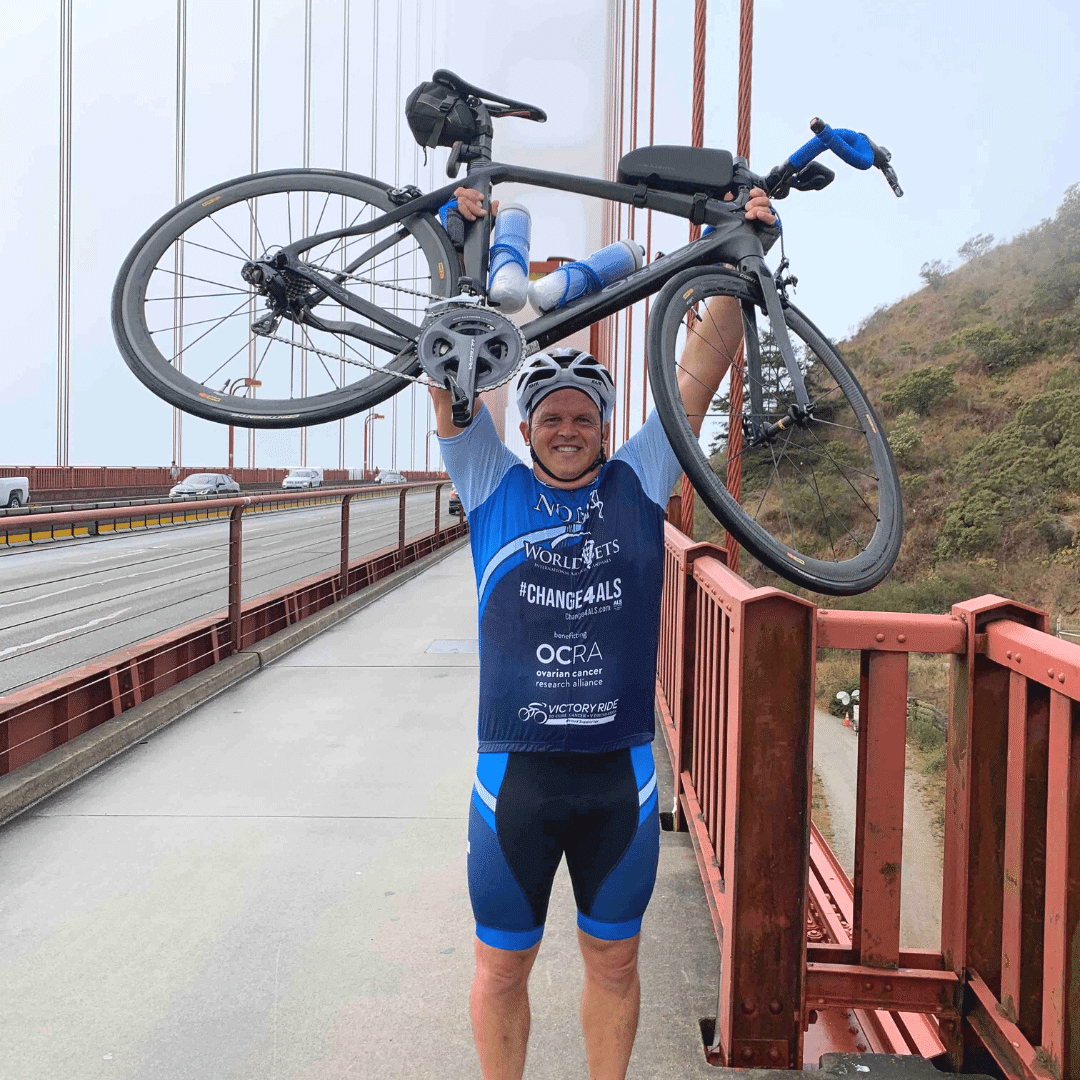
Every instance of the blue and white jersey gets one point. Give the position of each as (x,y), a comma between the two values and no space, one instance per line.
(569,585)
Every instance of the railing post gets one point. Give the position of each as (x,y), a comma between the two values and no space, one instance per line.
(438,516)
(344,584)
(401,526)
(236,555)
(977,747)
(763,846)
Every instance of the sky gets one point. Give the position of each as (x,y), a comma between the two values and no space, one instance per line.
(977,102)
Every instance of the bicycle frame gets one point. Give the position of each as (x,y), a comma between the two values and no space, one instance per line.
(734,241)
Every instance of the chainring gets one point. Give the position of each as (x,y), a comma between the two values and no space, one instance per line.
(450,336)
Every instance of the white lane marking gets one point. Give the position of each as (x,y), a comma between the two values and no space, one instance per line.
(26,645)
(122,577)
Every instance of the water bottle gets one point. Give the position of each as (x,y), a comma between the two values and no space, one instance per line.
(508,259)
(576,279)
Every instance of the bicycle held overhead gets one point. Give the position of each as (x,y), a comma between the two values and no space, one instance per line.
(337,290)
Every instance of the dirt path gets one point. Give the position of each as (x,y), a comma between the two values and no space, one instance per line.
(836,759)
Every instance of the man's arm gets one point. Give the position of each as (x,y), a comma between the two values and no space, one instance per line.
(713,342)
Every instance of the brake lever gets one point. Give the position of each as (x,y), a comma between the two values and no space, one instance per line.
(882,157)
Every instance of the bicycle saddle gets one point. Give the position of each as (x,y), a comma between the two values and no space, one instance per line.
(505,107)
(686,169)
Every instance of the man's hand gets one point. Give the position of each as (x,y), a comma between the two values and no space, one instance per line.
(757,207)
(470,204)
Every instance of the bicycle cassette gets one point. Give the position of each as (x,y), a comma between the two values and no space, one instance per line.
(468,349)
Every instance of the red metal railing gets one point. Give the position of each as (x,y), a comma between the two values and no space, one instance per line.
(45,715)
(735,691)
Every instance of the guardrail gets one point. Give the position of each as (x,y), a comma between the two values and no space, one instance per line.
(735,692)
(30,524)
(40,717)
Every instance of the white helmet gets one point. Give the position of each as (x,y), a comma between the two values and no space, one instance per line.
(558,369)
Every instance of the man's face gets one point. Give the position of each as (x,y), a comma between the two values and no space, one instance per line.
(565,432)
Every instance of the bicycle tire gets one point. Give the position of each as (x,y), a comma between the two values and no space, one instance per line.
(155,370)
(838,577)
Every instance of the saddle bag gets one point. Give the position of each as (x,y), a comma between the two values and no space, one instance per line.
(439,116)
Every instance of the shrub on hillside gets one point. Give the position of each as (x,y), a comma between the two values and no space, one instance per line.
(920,390)
(997,349)
(1011,474)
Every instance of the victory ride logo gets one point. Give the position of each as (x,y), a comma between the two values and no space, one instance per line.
(569,714)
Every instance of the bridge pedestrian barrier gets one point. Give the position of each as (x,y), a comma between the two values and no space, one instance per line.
(800,944)
(43,716)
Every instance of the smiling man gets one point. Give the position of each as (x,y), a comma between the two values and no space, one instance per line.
(568,557)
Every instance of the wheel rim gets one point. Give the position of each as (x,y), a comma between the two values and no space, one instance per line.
(184,315)
(818,502)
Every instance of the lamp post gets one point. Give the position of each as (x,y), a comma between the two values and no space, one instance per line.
(427,446)
(369,437)
(236,385)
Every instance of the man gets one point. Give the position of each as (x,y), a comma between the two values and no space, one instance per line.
(569,566)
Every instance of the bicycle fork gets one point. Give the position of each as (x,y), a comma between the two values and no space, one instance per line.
(800,411)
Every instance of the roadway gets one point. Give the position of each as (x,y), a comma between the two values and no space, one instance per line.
(67,602)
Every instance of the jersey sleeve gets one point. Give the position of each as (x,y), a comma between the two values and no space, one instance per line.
(649,454)
(477,460)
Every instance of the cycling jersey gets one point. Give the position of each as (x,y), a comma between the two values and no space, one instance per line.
(569,584)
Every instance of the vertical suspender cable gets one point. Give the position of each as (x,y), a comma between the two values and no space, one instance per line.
(307,203)
(431,184)
(697,138)
(648,215)
(627,377)
(620,85)
(256,57)
(369,424)
(397,183)
(416,181)
(180,170)
(63,304)
(344,168)
(734,461)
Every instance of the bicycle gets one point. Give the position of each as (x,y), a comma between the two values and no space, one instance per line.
(246,271)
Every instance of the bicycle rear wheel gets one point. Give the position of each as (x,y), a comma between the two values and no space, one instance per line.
(190,327)
(820,502)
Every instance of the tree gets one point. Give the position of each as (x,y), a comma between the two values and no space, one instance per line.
(976,245)
(933,272)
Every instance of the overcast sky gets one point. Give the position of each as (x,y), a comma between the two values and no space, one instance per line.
(977,102)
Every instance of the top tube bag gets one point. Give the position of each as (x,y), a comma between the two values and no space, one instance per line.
(438,116)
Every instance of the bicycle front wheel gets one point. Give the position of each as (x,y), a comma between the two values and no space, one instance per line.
(819,502)
(204,339)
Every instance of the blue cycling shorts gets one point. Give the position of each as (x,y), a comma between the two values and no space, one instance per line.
(529,809)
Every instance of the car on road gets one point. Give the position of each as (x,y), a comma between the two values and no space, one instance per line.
(302,478)
(454,505)
(14,491)
(205,484)
(390,476)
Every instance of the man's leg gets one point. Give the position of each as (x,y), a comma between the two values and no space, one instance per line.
(609,1004)
(499,1005)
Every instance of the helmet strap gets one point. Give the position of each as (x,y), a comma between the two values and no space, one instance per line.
(601,459)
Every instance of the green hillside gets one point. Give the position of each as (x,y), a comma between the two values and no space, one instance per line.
(977,378)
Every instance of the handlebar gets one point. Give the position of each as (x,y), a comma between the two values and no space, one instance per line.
(801,172)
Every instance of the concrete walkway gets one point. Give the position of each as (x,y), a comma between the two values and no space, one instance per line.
(273,887)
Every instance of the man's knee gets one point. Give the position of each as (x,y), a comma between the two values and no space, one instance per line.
(612,964)
(503,971)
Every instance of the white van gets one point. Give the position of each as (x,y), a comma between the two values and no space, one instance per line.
(301,478)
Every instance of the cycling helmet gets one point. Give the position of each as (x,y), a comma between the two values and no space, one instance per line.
(558,369)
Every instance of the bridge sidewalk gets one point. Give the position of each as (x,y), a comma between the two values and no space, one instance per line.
(274,886)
